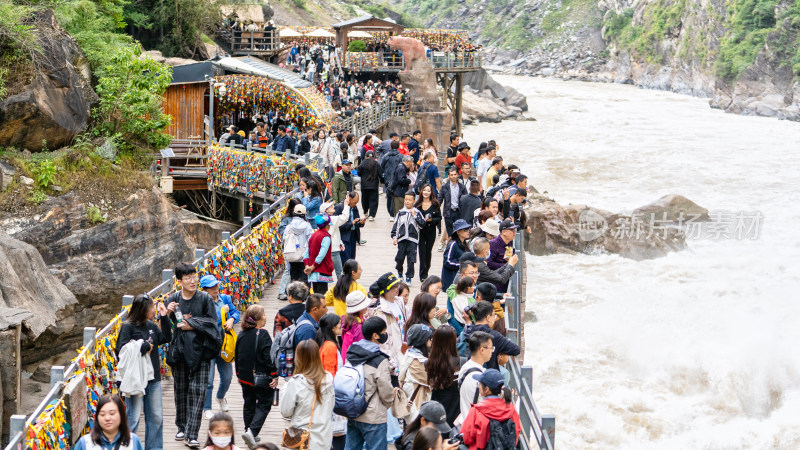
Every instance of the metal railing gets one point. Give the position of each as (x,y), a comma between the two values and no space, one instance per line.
(59,375)
(390,61)
(538,431)
(373,117)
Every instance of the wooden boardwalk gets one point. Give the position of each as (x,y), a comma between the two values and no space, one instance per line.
(376,258)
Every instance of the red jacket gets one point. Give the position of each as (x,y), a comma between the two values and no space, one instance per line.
(314,245)
(475,428)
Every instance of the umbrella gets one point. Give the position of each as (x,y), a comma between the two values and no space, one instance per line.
(320,32)
(288,32)
(359,33)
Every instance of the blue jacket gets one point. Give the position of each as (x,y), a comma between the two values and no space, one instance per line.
(232,311)
(305,331)
(282,144)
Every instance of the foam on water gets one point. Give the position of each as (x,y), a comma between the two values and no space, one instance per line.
(695,350)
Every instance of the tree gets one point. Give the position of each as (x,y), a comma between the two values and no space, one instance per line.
(357,46)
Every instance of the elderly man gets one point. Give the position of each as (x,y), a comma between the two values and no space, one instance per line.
(500,276)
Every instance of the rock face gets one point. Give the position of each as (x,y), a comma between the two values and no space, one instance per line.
(674,208)
(421,81)
(582,229)
(486,100)
(55,107)
(99,264)
(203,233)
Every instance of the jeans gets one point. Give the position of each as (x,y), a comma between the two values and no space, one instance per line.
(285,279)
(337,263)
(360,433)
(389,203)
(153,417)
(225,376)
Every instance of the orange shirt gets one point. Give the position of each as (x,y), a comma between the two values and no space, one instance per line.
(403,150)
(330,357)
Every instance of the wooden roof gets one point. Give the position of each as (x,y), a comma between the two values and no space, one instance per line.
(367,23)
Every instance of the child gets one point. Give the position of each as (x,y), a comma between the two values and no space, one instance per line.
(405,235)
(464,289)
(220,432)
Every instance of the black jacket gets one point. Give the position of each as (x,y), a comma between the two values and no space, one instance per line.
(252,356)
(401,181)
(369,171)
(501,344)
(389,163)
(467,205)
(153,337)
(196,346)
(406,227)
(436,216)
(498,277)
(346,231)
(444,195)
(304,146)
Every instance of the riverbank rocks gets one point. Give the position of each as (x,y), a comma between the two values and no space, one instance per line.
(205,234)
(99,263)
(56,105)
(675,208)
(583,229)
(486,100)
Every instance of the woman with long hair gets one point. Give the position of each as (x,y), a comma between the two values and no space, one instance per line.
(442,368)
(307,397)
(312,199)
(139,325)
(428,205)
(413,378)
(347,283)
(328,333)
(432,285)
(428,146)
(252,357)
(110,428)
(427,439)
(285,221)
(422,311)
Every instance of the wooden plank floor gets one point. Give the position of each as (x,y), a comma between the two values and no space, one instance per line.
(376,258)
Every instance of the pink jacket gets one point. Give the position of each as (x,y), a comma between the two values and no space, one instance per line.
(349,336)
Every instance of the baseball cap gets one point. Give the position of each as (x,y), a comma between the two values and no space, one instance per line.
(300,209)
(208,281)
(418,335)
(346,162)
(508,225)
(435,413)
(322,220)
(491,378)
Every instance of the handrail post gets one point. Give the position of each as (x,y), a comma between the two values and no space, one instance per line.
(226,235)
(88,337)
(549,427)
(127,300)
(526,379)
(199,256)
(246,223)
(16,425)
(56,375)
(166,275)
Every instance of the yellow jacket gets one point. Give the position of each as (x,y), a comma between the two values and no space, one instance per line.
(339,304)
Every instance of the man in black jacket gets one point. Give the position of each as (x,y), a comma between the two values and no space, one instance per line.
(484,315)
(500,276)
(401,182)
(189,369)
(389,163)
(451,190)
(304,146)
(350,232)
(467,204)
(369,171)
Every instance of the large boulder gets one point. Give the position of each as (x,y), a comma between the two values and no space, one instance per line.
(583,229)
(482,108)
(675,208)
(203,233)
(56,105)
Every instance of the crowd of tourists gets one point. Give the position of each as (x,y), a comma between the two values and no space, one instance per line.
(349,365)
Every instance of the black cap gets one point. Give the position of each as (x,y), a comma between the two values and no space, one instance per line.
(508,225)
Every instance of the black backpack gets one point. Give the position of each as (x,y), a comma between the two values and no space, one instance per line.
(422,177)
(502,435)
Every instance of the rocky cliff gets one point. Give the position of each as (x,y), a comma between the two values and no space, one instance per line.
(744,55)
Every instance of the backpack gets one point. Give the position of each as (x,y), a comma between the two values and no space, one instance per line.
(283,344)
(349,387)
(422,178)
(229,340)
(461,381)
(292,251)
(462,346)
(502,435)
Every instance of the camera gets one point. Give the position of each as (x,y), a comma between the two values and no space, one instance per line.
(457,439)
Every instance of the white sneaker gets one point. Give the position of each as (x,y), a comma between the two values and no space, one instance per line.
(391,219)
(208,414)
(223,404)
(248,439)
(371,219)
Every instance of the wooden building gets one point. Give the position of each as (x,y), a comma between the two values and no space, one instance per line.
(187,99)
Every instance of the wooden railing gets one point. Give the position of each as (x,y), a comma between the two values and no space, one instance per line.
(390,61)
(257,41)
(373,117)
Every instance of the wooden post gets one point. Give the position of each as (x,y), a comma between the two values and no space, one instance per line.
(459,98)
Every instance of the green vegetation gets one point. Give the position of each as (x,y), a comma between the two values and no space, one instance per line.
(659,21)
(357,45)
(45,173)
(95,216)
(17,47)
(300,3)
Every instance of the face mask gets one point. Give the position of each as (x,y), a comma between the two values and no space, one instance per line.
(383,337)
(221,441)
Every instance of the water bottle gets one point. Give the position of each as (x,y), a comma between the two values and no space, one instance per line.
(289,365)
(282,365)
(178,314)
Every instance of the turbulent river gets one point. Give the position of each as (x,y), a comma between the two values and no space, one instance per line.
(697,350)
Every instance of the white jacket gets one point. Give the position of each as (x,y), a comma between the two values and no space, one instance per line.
(336,222)
(135,369)
(296,398)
